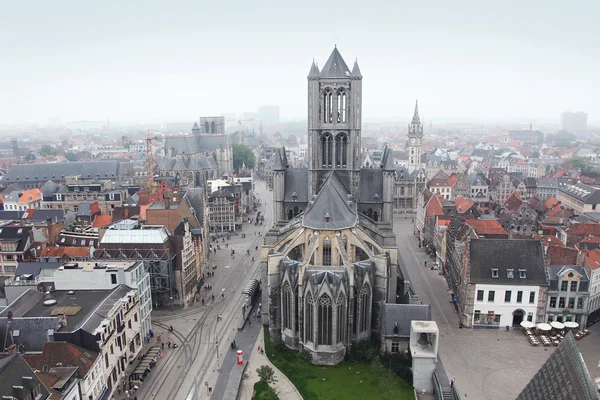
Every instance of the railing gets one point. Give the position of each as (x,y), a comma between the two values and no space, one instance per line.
(437,386)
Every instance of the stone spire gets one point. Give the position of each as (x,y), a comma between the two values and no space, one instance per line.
(416,120)
(355,71)
(314,71)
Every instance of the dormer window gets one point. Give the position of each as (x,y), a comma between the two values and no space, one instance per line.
(494,272)
(376,197)
(510,273)
(522,273)
(327,217)
(294,196)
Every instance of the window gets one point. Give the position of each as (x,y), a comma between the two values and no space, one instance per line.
(341,318)
(106,359)
(494,272)
(510,273)
(573,286)
(365,300)
(395,347)
(520,296)
(286,299)
(530,317)
(480,295)
(564,285)
(571,302)
(507,296)
(135,317)
(532,298)
(327,251)
(325,321)
(113,279)
(491,295)
(477,317)
(561,302)
(308,319)
(522,273)
(580,303)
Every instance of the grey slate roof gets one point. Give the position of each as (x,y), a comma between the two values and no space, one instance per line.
(296,181)
(355,70)
(335,67)
(547,183)
(12,371)
(553,271)
(332,201)
(193,144)
(416,119)
(10,215)
(587,194)
(403,314)
(387,161)
(564,376)
(20,233)
(314,71)
(34,268)
(279,159)
(38,172)
(370,184)
(476,180)
(195,197)
(402,174)
(503,254)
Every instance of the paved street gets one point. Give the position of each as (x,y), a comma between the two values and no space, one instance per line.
(487,364)
(196,327)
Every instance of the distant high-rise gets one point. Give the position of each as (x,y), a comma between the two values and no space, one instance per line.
(269,114)
(574,122)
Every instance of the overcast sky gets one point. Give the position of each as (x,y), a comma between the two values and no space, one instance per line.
(178,60)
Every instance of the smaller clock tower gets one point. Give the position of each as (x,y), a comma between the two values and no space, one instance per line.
(415,138)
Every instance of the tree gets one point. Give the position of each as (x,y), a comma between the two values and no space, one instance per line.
(268,394)
(47,150)
(535,154)
(71,156)
(266,374)
(242,154)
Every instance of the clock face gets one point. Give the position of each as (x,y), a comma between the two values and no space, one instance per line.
(413,140)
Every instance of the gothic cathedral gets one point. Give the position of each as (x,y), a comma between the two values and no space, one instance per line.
(330,261)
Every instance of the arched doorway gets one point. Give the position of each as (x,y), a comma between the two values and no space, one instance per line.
(518,316)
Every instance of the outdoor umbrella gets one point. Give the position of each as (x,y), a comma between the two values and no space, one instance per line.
(544,327)
(527,324)
(557,325)
(572,324)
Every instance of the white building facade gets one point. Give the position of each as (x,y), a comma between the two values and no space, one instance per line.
(505,305)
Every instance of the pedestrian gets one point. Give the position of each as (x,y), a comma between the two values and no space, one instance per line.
(234,345)
(169,344)
(259,348)
(162,345)
(222,295)
(119,389)
(202,304)
(452,382)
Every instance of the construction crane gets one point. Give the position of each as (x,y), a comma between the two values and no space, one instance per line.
(149,161)
(240,128)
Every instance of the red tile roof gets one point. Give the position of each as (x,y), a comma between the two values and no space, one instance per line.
(463,205)
(560,255)
(101,221)
(591,239)
(65,353)
(94,208)
(584,229)
(551,202)
(67,251)
(452,179)
(437,182)
(593,258)
(486,226)
(559,174)
(30,195)
(521,162)
(434,207)
(513,202)
(549,240)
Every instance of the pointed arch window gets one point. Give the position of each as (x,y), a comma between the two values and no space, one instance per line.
(365,307)
(286,306)
(326,251)
(206,127)
(309,319)
(327,106)
(341,318)
(341,106)
(212,127)
(326,149)
(325,322)
(341,149)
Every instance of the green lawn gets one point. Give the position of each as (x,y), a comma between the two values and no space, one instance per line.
(259,388)
(344,381)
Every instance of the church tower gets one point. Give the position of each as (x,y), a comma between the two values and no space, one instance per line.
(415,139)
(334,123)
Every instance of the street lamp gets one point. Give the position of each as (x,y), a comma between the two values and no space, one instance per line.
(171,303)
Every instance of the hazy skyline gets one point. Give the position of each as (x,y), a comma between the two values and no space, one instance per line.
(177,61)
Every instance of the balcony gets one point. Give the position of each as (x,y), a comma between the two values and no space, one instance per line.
(120,327)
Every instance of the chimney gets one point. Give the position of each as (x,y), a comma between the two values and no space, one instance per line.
(62,318)
(167,201)
(12,349)
(49,226)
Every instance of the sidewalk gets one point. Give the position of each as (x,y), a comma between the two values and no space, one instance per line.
(284,388)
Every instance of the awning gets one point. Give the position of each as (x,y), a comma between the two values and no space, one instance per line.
(544,327)
(527,324)
(571,324)
(557,325)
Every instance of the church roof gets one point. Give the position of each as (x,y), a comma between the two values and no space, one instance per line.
(296,181)
(195,126)
(564,375)
(196,143)
(355,70)
(314,71)
(370,184)
(335,67)
(387,161)
(278,162)
(416,120)
(330,209)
